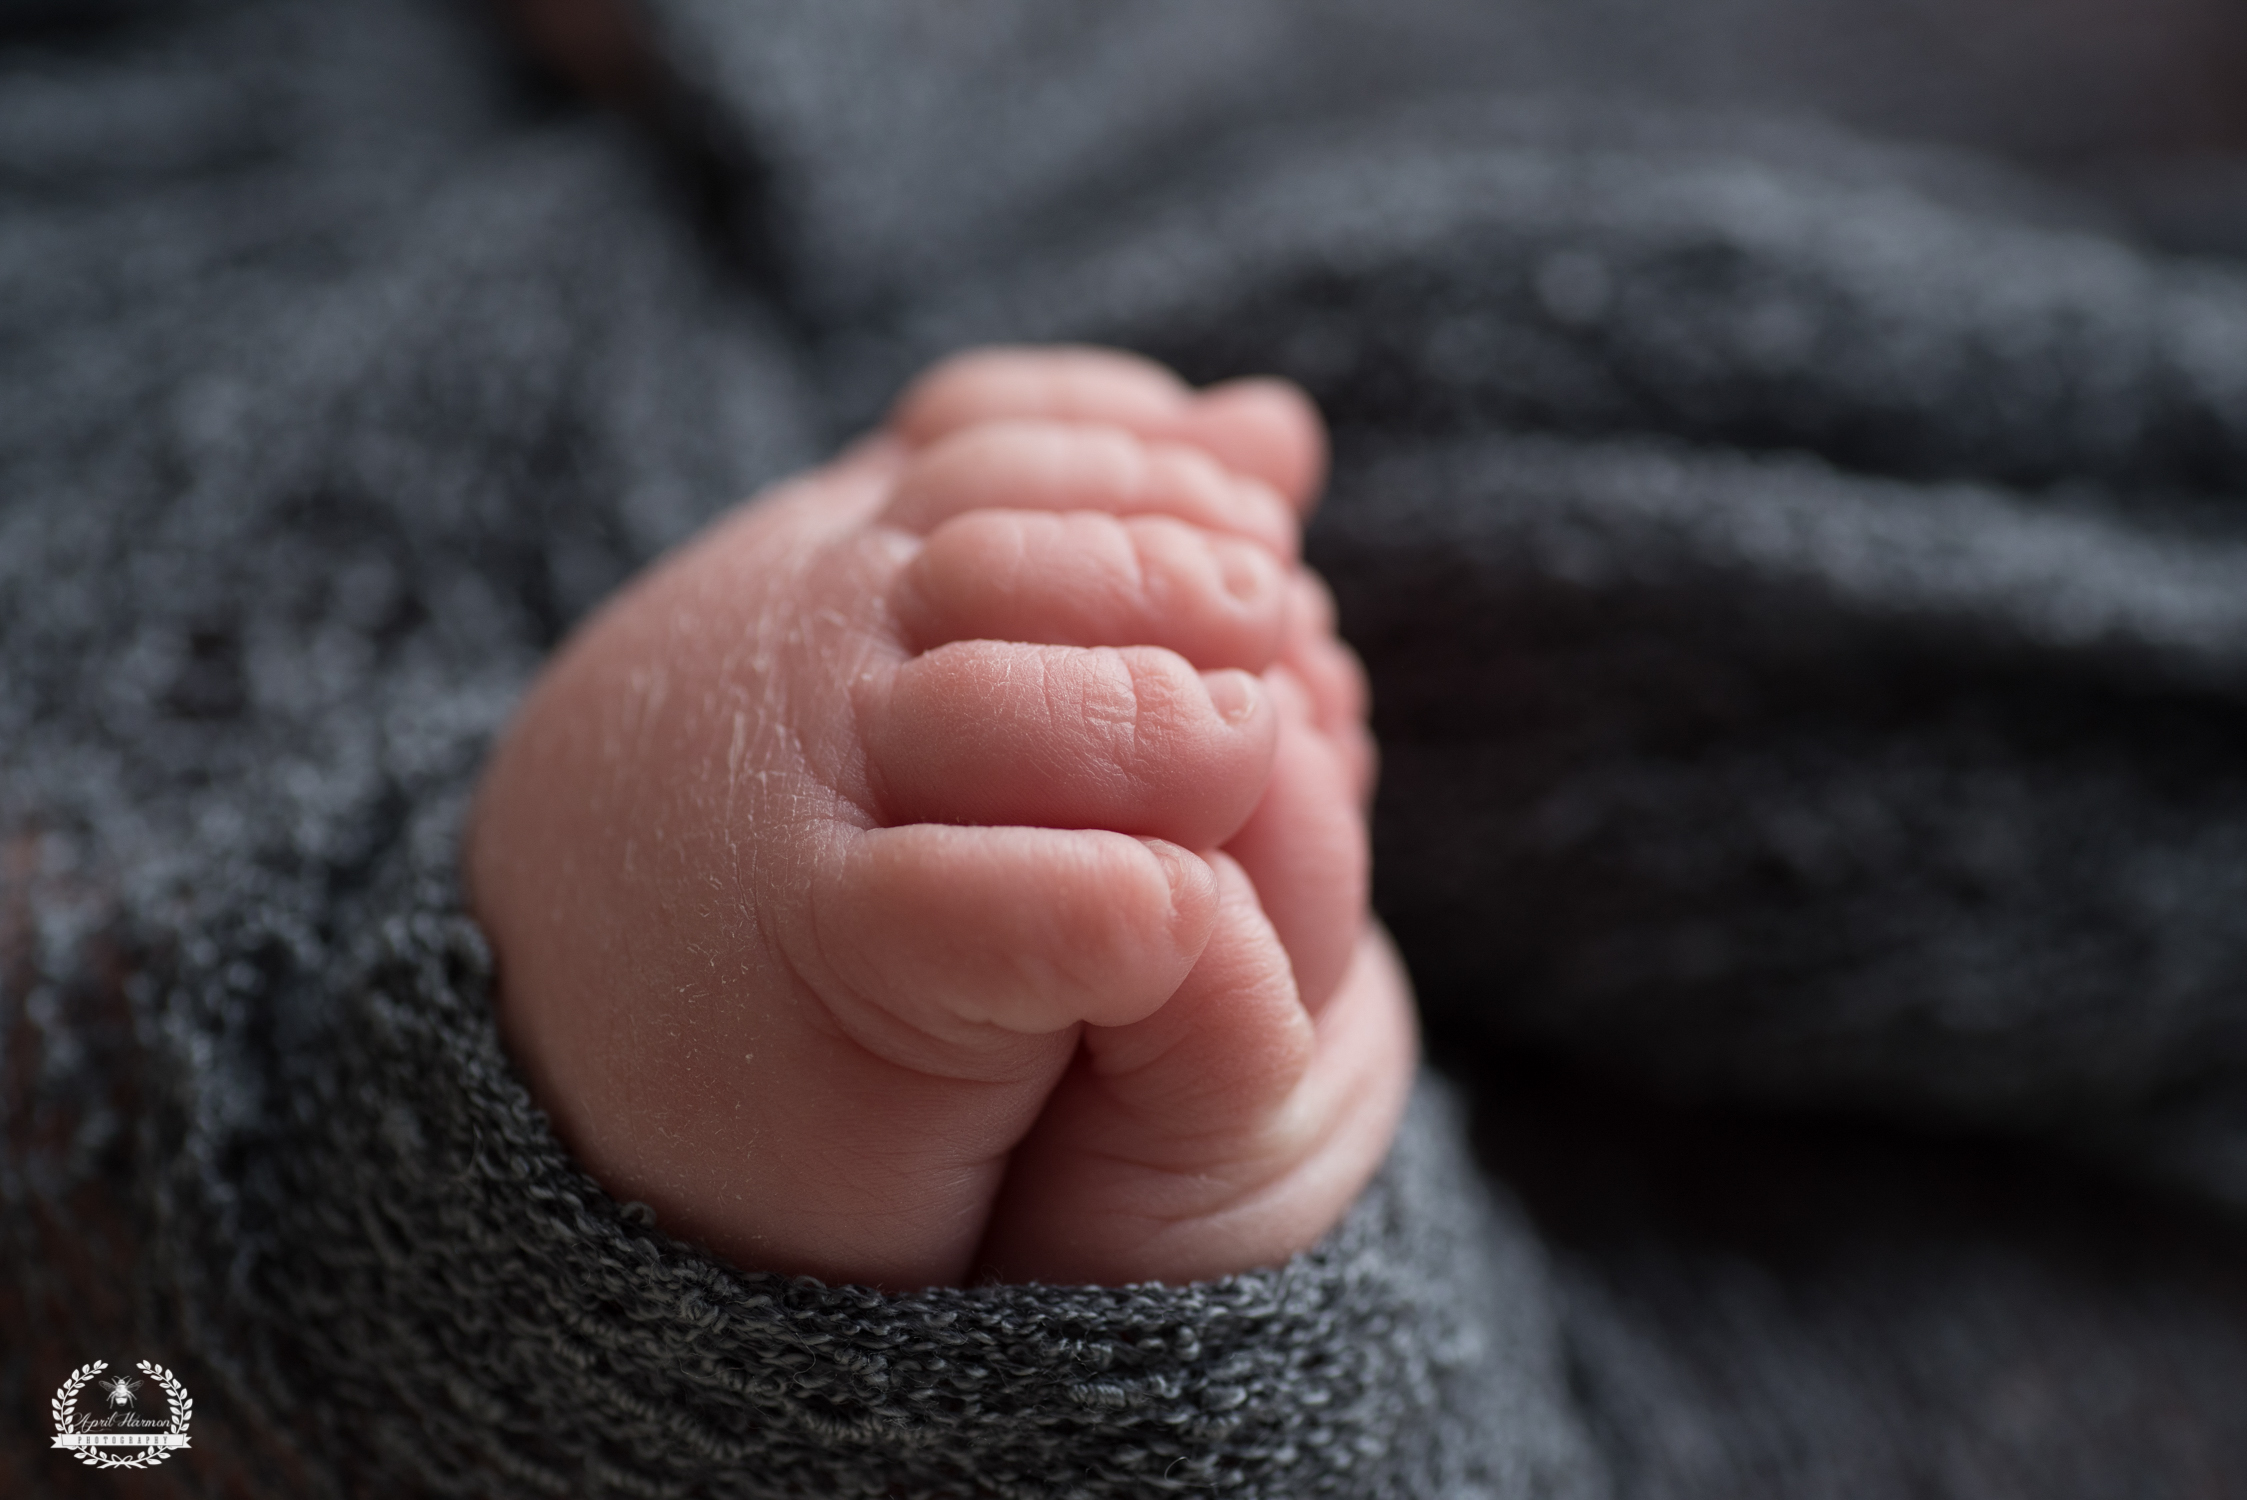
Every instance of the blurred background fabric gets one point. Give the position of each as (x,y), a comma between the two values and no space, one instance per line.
(1789,469)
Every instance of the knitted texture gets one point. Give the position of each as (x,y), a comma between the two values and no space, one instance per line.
(289,554)
(1373,1366)
(1800,580)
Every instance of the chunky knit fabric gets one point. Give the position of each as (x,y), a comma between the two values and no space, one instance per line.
(1802,585)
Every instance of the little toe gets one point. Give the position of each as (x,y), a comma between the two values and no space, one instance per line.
(1259,426)
(1070,383)
(1089,579)
(1132,739)
(1070,466)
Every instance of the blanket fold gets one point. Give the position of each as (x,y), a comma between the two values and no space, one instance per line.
(1801,580)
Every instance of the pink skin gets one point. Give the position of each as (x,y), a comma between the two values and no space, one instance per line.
(953,865)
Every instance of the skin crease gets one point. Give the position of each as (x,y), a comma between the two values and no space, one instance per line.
(856,873)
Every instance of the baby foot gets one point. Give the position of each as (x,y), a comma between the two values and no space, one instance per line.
(953,864)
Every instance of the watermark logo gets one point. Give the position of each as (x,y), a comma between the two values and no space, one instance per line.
(107,1428)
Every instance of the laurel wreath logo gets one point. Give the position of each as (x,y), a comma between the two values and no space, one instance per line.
(179,1409)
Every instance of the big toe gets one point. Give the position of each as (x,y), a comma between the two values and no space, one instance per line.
(1229,1129)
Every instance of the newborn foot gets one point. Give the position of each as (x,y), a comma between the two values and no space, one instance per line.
(953,864)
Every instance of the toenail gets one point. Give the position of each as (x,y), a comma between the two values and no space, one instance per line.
(1186,872)
(1243,569)
(1232,693)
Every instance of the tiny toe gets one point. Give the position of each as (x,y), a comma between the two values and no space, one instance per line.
(1307,850)
(1322,687)
(1089,579)
(1070,384)
(1329,669)
(1062,466)
(936,945)
(1265,427)
(1133,739)
(1259,426)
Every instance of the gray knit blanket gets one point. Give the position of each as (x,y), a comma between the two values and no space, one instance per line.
(1804,582)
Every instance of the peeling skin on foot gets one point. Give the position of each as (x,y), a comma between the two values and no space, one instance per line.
(953,864)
